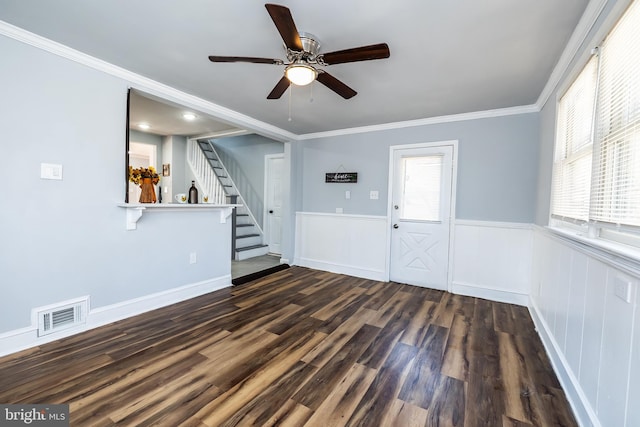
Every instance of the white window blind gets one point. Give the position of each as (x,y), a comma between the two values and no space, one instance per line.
(615,183)
(421,186)
(574,146)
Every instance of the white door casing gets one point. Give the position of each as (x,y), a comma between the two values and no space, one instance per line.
(274,174)
(421,197)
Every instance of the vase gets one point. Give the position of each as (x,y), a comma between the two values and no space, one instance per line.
(148,194)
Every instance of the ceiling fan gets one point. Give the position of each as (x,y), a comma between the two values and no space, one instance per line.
(303,58)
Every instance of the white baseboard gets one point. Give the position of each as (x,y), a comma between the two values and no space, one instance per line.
(583,411)
(21,339)
(484,292)
(341,269)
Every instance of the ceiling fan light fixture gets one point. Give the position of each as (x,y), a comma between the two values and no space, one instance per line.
(189,116)
(300,74)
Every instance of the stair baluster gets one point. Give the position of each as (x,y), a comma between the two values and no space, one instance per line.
(209,173)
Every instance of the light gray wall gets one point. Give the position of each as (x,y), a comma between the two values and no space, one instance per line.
(497,167)
(180,181)
(146,138)
(66,239)
(243,156)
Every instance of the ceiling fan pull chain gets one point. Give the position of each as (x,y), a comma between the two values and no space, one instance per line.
(311,89)
(290,90)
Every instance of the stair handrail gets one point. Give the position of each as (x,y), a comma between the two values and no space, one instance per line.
(235,189)
(206,164)
(205,176)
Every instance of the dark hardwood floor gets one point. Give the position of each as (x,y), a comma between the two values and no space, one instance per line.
(301,347)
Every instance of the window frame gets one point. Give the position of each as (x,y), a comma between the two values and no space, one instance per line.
(601,234)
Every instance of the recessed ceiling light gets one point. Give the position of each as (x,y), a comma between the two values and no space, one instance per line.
(144,126)
(189,116)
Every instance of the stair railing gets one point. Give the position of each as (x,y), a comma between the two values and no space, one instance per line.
(204,173)
(240,200)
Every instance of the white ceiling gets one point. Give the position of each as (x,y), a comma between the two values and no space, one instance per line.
(447,57)
(166,118)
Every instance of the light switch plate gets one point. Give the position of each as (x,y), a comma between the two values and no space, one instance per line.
(50,171)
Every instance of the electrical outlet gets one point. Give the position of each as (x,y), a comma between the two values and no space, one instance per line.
(193,258)
(339,210)
(373,194)
(623,289)
(347,194)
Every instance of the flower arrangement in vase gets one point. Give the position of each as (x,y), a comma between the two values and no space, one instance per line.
(146,178)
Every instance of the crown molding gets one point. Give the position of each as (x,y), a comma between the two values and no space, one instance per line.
(235,118)
(525,109)
(145,84)
(578,37)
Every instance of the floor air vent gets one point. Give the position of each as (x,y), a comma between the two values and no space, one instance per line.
(54,319)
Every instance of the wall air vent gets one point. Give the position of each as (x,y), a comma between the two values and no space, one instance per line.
(56,318)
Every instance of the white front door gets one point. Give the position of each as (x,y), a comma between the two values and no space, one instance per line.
(421,195)
(273,201)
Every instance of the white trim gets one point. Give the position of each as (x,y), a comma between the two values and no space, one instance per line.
(616,255)
(579,36)
(305,213)
(265,221)
(21,339)
(169,93)
(570,384)
(585,25)
(494,224)
(501,112)
(489,293)
(145,84)
(452,212)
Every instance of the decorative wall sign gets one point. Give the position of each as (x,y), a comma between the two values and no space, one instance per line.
(343,177)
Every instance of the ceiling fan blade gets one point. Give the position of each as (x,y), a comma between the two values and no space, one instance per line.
(281,87)
(281,16)
(363,53)
(251,59)
(336,85)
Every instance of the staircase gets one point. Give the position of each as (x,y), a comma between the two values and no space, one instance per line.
(214,180)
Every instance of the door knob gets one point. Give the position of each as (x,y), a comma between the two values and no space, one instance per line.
(271,211)
(395,225)
(395,207)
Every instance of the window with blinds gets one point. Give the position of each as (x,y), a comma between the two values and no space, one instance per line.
(616,175)
(574,147)
(596,171)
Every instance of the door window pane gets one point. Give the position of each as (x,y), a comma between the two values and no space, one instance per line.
(421,188)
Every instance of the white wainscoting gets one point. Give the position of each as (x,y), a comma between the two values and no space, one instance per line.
(13,341)
(591,334)
(492,260)
(347,244)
